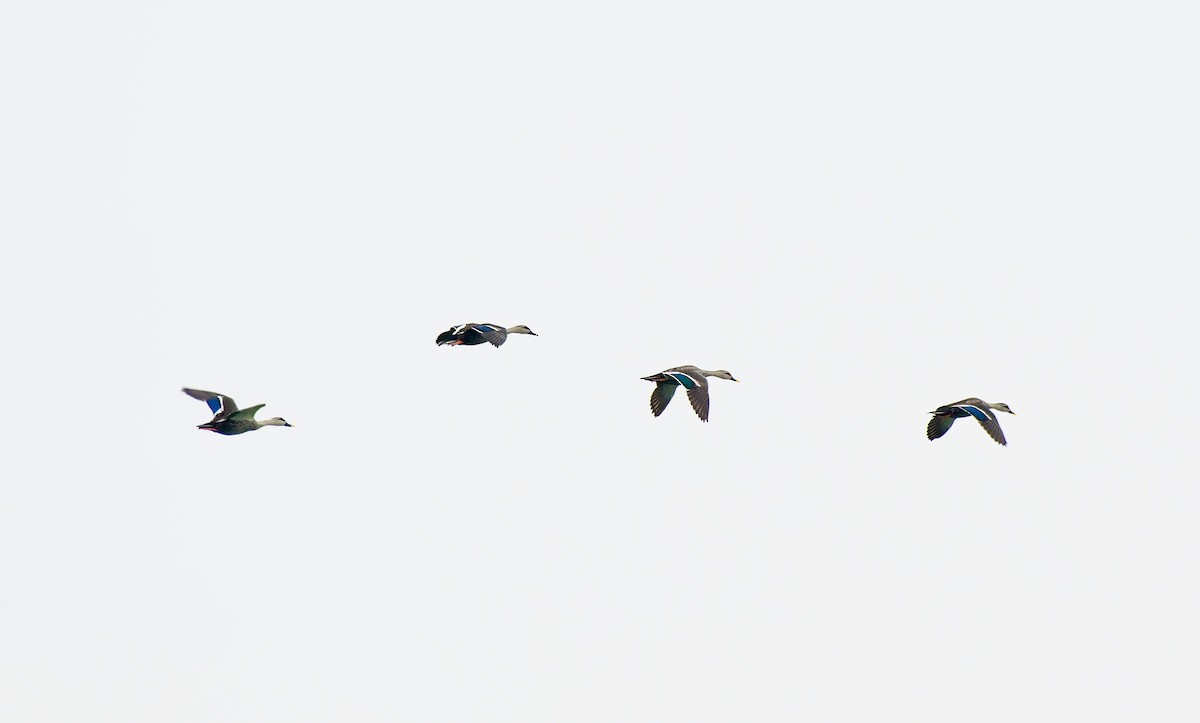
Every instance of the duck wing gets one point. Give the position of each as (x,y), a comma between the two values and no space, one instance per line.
(992,426)
(491,333)
(692,379)
(246,414)
(939,425)
(985,416)
(221,405)
(698,396)
(661,396)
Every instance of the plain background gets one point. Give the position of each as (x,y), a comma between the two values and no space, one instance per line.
(862,210)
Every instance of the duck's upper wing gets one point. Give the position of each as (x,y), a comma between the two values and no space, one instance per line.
(688,377)
(492,333)
(698,396)
(221,405)
(992,425)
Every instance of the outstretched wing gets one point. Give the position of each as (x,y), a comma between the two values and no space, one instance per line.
(661,396)
(221,405)
(247,413)
(992,425)
(986,418)
(492,334)
(698,396)
(939,425)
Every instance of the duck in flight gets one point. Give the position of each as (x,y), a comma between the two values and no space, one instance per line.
(472,334)
(943,417)
(690,378)
(227,418)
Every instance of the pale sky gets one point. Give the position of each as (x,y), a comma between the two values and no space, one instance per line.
(861,210)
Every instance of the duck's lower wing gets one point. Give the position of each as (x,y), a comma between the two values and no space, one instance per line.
(661,396)
(985,416)
(939,425)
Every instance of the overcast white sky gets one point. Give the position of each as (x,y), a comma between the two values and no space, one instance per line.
(863,210)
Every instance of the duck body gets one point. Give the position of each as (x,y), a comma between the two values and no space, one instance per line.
(472,334)
(227,418)
(691,378)
(981,411)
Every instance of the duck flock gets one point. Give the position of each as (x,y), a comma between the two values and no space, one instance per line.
(229,419)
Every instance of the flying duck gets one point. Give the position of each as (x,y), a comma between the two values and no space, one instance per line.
(472,334)
(227,418)
(690,378)
(943,417)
